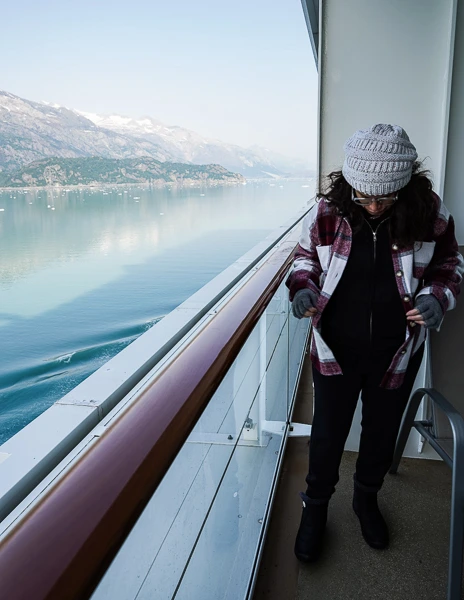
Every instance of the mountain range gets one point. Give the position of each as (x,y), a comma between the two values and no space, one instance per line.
(93,171)
(31,131)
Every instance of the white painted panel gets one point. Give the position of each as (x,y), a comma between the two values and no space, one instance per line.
(4,456)
(454,194)
(46,484)
(385,62)
(50,437)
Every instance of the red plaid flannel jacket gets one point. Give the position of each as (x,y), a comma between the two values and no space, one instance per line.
(321,257)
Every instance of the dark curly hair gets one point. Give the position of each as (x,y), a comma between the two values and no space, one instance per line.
(411,216)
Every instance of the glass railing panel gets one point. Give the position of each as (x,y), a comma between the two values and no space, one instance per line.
(161,542)
(199,534)
(220,567)
(160,545)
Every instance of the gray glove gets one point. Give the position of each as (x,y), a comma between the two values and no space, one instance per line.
(303,300)
(430,309)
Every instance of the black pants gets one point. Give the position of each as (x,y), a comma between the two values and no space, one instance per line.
(336,397)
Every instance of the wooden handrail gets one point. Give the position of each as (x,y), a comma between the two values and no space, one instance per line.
(64,545)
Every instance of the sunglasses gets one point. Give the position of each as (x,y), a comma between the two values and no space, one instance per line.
(381,200)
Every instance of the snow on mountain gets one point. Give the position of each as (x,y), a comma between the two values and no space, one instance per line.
(31,131)
(189,146)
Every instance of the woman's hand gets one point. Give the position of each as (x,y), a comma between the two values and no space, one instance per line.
(304,303)
(428,312)
(414,315)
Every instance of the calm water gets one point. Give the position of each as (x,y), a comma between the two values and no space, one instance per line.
(83,273)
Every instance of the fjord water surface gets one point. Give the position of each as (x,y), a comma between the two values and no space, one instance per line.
(84,272)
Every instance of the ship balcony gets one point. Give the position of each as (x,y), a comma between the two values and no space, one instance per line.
(174,470)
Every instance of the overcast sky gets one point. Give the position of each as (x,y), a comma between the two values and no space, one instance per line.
(240,71)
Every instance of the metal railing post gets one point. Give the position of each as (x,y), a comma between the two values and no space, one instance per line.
(457,509)
(405,429)
(456,546)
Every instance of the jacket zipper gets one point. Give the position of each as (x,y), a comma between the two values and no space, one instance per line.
(374,235)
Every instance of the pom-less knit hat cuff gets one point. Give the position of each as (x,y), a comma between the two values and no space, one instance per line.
(379,160)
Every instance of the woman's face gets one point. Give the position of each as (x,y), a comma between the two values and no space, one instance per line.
(374,208)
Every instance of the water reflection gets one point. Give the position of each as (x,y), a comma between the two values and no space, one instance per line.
(82,281)
(61,244)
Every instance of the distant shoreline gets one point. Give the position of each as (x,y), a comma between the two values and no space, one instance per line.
(97,186)
(161,184)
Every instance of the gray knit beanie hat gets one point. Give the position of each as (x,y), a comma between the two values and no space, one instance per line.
(379,160)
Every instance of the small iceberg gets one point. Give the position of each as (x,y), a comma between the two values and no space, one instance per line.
(136,197)
(2,210)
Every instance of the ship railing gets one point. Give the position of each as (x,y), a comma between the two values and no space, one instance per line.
(172,490)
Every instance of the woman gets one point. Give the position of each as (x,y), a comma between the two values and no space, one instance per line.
(377,265)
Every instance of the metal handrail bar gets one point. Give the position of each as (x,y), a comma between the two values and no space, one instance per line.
(64,545)
(457,465)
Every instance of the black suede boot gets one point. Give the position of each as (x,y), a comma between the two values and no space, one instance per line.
(373,525)
(308,543)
